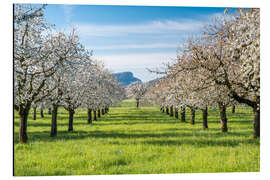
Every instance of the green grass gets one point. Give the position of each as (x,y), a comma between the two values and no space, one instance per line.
(137,141)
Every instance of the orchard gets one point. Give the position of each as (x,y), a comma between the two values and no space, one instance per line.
(219,68)
(53,69)
(201,115)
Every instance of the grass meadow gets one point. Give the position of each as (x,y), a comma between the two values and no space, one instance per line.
(136,141)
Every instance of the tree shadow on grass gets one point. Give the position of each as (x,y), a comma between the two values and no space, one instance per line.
(43,124)
(202,143)
(215,137)
(133,117)
(76,135)
(107,122)
(241,122)
(137,123)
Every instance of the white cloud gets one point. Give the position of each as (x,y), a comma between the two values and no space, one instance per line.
(136,59)
(68,12)
(135,46)
(136,63)
(149,35)
(154,27)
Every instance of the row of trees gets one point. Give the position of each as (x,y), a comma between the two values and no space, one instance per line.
(137,91)
(218,68)
(53,69)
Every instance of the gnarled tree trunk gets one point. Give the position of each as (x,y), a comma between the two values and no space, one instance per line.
(205,114)
(137,103)
(171,111)
(54,120)
(41,113)
(70,122)
(183,114)
(192,116)
(49,111)
(233,109)
(256,122)
(176,113)
(34,113)
(99,113)
(223,117)
(89,111)
(167,110)
(23,113)
(95,115)
(102,111)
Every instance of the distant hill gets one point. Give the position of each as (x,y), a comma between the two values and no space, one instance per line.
(126,78)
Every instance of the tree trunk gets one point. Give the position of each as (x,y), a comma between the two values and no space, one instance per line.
(54,121)
(23,113)
(89,116)
(167,110)
(176,113)
(95,115)
(137,103)
(223,118)
(35,113)
(233,109)
(205,114)
(256,123)
(98,114)
(183,114)
(102,111)
(106,109)
(163,109)
(192,116)
(49,111)
(41,113)
(171,111)
(70,122)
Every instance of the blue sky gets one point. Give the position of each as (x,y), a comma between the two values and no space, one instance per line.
(132,38)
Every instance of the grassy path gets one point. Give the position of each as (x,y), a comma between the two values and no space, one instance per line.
(137,141)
